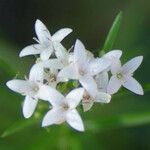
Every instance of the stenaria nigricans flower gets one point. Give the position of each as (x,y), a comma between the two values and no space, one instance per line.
(46,42)
(64,108)
(123,76)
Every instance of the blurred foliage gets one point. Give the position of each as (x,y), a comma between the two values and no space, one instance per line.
(112,34)
(121,125)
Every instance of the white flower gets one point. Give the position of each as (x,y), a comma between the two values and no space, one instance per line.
(83,69)
(88,99)
(46,71)
(32,91)
(64,108)
(101,95)
(45,46)
(122,76)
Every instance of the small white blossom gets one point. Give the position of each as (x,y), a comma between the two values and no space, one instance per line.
(122,76)
(64,108)
(89,99)
(46,42)
(32,91)
(47,71)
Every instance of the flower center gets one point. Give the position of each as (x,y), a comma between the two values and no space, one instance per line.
(65,107)
(49,77)
(119,76)
(86,98)
(35,88)
(81,72)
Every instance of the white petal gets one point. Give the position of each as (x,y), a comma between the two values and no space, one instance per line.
(89,55)
(60,52)
(89,84)
(36,73)
(113,85)
(54,116)
(69,72)
(134,86)
(74,120)
(79,54)
(116,66)
(52,64)
(74,97)
(21,86)
(98,65)
(42,32)
(29,106)
(46,54)
(31,50)
(132,65)
(102,80)
(50,94)
(113,54)
(102,97)
(87,105)
(61,34)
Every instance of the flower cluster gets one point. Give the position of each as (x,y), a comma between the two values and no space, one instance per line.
(97,78)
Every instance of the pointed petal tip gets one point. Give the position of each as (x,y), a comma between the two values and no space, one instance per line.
(9,83)
(21,54)
(26,116)
(81,129)
(140,58)
(69,30)
(44,124)
(78,41)
(108,99)
(141,92)
(38,21)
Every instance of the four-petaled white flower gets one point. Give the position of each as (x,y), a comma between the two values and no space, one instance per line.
(83,68)
(64,108)
(122,76)
(32,91)
(46,71)
(99,95)
(46,42)
(89,99)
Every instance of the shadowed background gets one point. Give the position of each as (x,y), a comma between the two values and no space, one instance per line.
(124,123)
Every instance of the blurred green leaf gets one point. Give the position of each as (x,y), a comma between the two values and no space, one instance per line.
(119,121)
(113,32)
(18,126)
(7,68)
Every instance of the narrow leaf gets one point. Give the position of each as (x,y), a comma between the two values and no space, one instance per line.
(7,68)
(118,121)
(113,32)
(18,126)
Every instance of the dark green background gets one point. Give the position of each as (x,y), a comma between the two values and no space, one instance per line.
(124,123)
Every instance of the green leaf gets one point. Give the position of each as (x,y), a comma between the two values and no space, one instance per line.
(7,68)
(113,32)
(18,126)
(119,121)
